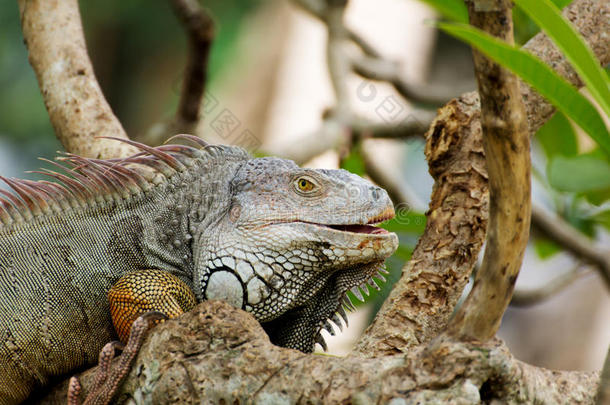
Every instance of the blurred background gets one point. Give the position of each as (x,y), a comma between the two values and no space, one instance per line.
(269,80)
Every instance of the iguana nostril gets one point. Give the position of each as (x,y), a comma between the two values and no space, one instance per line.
(375,193)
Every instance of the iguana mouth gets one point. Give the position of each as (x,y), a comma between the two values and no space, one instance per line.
(368,229)
(371,227)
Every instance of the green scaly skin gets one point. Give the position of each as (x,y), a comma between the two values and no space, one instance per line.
(281,242)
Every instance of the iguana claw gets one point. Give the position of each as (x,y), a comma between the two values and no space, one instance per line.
(108,381)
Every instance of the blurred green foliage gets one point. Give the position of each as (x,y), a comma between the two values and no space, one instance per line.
(22,112)
(354,162)
(138,51)
(557,137)
(545,248)
(579,174)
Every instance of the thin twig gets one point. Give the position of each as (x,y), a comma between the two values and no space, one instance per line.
(414,127)
(333,133)
(376,69)
(524,298)
(314,7)
(364,45)
(559,231)
(200,30)
(418,93)
(337,60)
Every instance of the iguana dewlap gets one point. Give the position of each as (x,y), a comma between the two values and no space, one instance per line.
(279,241)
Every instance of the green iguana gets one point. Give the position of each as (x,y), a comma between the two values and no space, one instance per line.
(276,240)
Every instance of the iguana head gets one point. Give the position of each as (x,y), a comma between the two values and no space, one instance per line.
(290,243)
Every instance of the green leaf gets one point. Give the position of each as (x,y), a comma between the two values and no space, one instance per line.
(549,18)
(452,9)
(557,137)
(540,76)
(579,173)
(524,28)
(561,3)
(545,248)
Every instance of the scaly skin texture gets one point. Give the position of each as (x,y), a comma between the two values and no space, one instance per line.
(276,240)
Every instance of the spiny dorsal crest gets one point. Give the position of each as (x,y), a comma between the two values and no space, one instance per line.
(86,182)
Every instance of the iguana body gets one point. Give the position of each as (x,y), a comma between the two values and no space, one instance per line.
(253,232)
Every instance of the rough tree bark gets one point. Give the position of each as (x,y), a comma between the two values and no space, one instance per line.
(219,353)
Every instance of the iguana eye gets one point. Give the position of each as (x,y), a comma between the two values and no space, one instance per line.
(305,186)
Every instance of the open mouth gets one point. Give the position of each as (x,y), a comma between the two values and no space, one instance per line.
(368,229)
(371,228)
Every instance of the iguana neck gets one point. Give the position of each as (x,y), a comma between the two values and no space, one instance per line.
(186,205)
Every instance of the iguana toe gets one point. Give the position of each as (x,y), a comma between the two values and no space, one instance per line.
(107,381)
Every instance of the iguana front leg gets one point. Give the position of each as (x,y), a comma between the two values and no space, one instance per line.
(144,291)
(136,300)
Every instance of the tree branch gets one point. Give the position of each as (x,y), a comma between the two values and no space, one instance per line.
(415,127)
(221,354)
(507,155)
(333,133)
(369,67)
(422,301)
(77,108)
(562,233)
(382,70)
(523,298)
(200,30)
(337,60)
